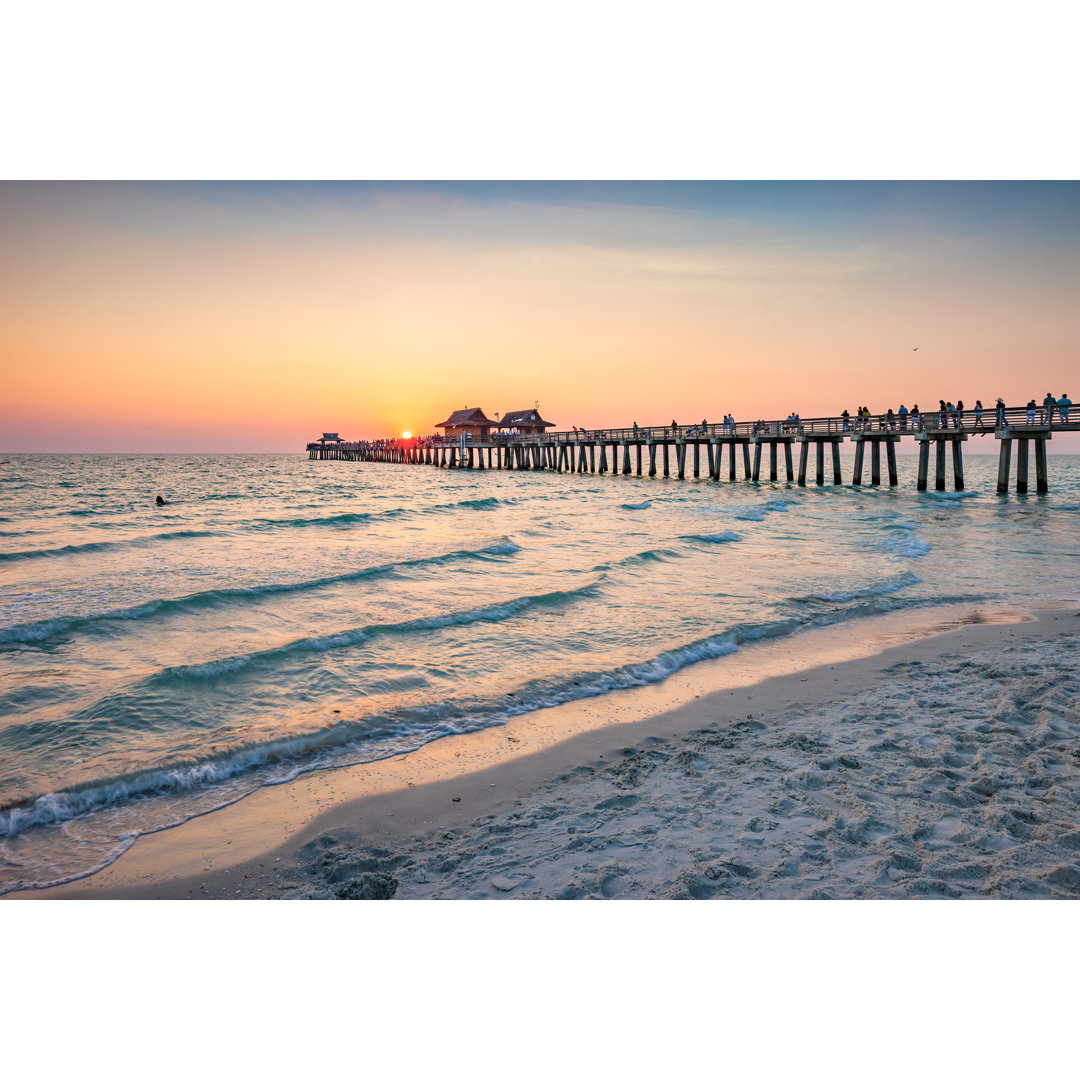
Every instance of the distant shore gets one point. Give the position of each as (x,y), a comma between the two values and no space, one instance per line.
(861,760)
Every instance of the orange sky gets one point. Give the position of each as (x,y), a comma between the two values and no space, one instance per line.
(251,317)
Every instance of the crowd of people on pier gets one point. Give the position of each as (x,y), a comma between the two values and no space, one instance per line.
(948,416)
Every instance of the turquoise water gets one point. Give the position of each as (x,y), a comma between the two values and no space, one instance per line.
(281,615)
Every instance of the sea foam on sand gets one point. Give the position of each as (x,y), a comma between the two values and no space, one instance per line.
(941,767)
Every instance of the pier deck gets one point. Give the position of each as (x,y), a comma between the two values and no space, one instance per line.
(635,450)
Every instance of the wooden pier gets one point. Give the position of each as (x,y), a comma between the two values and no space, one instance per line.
(676,449)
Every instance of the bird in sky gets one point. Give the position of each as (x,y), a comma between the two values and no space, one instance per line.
(916,349)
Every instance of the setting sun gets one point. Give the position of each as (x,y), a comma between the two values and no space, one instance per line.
(406,434)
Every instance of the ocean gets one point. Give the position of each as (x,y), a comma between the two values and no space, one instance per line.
(281,615)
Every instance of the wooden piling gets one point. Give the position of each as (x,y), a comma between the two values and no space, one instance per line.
(745,460)
(875,463)
(638,448)
(890,456)
(804,453)
(939,464)
(680,455)
(1004,456)
(819,471)
(626,458)
(957,465)
(697,460)
(924,464)
(652,458)
(1040,465)
(836,476)
(757,461)
(856,472)
(1022,466)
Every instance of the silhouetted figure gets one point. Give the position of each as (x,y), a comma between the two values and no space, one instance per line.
(161,501)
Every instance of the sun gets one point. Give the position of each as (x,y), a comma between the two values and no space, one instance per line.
(406,434)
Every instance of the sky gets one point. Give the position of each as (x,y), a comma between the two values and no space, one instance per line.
(251,317)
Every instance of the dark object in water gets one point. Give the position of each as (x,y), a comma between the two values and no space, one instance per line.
(161,501)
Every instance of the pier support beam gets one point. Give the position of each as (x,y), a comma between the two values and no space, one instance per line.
(1040,466)
(939,438)
(819,442)
(957,466)
(1007,436)
(875,439)
(1004,461)
(774,443)
(1022,467)
(652,458)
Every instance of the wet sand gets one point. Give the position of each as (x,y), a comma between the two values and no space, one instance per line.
(867,759)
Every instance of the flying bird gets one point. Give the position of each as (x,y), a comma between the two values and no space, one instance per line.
(916,349)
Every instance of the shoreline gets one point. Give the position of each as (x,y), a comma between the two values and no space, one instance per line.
(256,847)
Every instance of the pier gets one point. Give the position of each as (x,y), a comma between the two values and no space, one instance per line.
(675,450)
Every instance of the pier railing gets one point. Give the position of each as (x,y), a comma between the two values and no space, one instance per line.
(880,423)
(699,448)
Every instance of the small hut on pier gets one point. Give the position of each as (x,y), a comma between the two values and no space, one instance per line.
(524,422)
(472,423)
(330,438)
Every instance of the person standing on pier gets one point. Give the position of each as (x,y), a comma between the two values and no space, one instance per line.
(942,414)
(1049,404)
(902,412)
(1064,405)
(1032,408)
(999,413)
(978,412)
(959,414)
(916,418)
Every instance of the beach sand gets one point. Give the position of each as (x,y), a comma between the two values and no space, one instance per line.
(862,760)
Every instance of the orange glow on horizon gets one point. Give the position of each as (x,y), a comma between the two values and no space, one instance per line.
(194,326)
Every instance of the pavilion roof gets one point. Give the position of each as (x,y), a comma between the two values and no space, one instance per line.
(465,418)
(524,418)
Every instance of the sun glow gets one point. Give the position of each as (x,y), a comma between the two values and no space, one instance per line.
(406,434)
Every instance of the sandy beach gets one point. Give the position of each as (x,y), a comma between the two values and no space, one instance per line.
(936,766)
